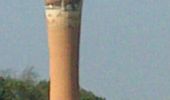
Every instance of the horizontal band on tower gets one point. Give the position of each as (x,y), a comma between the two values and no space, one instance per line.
(58,2)
(67,5)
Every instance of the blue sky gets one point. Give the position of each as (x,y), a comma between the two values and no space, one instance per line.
(124,45)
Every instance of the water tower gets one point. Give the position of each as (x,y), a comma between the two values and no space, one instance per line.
(63,23)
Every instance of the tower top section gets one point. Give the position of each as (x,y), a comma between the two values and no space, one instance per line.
(58,2)
(66,5)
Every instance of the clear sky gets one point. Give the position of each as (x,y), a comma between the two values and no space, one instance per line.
(124,45)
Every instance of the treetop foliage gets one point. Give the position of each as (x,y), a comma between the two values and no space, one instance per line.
(28,88)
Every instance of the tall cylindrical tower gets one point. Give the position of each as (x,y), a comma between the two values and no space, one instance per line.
(63,22)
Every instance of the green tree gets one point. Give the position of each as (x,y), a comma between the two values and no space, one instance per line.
(28,87)
(87,95)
